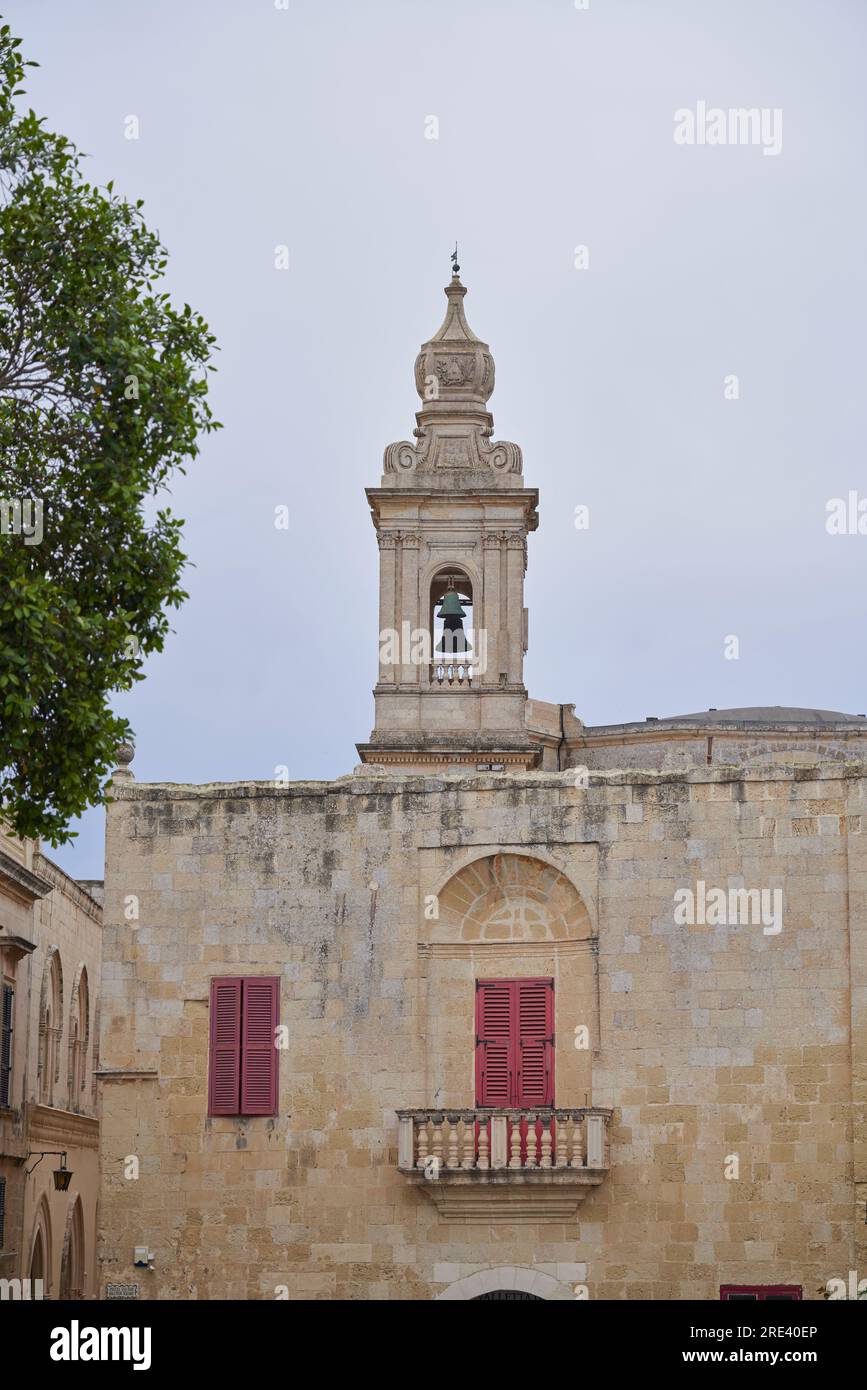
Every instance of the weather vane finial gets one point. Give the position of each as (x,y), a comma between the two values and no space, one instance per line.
(456,270)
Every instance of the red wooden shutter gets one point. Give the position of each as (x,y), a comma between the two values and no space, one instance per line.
(259,1046)
(224,1060)
(495,1059)
(535,1028)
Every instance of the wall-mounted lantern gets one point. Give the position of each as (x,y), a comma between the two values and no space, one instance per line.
(62,1175)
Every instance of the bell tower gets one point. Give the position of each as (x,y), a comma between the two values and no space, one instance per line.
(452,518)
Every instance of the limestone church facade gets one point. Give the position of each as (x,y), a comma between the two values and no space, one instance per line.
(518,1008)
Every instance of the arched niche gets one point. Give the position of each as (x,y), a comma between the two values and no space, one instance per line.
(508,916)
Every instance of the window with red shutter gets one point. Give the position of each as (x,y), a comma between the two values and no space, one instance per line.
(534,1006)
(224,1070)
(515,1043)
(494,1043)
(259,1047)
(242,1062)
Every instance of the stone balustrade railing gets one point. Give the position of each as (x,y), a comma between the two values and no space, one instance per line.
(451,671)
(436,1142)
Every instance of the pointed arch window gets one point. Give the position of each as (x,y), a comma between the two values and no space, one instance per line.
(50,1027)
(79,1037)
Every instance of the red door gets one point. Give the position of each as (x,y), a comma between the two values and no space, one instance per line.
(515,1047)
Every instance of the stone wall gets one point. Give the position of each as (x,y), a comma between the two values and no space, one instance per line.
(710,1043)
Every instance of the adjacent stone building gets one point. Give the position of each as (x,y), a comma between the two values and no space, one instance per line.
(517,1009)
(50,948)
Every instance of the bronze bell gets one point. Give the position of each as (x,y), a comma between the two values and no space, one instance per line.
(453,643)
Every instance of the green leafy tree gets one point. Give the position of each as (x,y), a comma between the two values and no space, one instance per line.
(103,389)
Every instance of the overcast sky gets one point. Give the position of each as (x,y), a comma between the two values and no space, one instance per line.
(306,126)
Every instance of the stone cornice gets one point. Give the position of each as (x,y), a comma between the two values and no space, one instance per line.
(127,1074)
(515,758)
(68,887)
(369,779)
(495,496)
(21,883)
(47,1124)
(18,944)
(459,950)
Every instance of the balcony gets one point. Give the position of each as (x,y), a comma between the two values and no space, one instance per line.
(504,1165)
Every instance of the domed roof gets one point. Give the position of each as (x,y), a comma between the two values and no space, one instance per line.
(764,714)
(748,717)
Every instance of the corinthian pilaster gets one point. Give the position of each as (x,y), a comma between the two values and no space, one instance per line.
(515,581)
(387,595)
(409,605)
(491,606)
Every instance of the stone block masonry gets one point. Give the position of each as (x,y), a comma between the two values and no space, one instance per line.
(378,900)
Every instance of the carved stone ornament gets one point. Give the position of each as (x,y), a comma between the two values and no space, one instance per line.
(437,450)
(454,370)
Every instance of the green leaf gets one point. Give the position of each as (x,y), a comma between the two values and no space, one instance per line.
(76,268)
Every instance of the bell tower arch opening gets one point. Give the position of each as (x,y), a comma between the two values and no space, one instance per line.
(450,623)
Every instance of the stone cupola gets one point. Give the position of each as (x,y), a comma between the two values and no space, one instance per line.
(454,375)
(454,362)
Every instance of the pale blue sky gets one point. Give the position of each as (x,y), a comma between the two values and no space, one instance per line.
(261,126)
